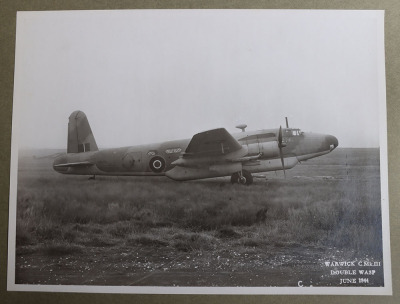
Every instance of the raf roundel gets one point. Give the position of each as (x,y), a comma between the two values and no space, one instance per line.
(157,164)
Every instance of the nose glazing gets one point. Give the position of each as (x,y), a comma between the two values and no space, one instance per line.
(332,141)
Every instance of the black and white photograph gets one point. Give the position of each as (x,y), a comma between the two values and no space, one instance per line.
(200,152)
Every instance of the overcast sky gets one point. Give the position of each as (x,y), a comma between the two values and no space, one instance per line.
(143,76)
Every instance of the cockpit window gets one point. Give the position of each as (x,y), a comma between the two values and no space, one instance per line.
(296,132)
(293,132)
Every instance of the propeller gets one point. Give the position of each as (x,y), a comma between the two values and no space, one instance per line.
(281,144)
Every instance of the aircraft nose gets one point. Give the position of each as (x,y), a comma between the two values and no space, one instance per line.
(332,141)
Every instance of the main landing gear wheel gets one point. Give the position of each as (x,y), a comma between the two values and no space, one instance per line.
(243,178)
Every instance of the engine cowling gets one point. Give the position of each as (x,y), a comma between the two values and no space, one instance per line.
(268,149)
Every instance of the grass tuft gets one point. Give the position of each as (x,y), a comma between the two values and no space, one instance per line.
(146,240)
(60,249)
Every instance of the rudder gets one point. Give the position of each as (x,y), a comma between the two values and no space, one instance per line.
(80,136)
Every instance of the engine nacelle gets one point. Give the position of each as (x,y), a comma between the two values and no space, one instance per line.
(269,149)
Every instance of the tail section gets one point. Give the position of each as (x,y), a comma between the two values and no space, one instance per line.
(80,136)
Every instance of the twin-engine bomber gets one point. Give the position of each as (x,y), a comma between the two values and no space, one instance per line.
(213,153)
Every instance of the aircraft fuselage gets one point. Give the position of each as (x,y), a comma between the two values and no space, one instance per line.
(260,153)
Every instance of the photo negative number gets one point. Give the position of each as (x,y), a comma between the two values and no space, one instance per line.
(157,164)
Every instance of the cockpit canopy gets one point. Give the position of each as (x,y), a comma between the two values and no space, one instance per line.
(292,132)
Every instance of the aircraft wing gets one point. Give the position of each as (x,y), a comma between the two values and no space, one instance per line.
(77,164)
(215,142)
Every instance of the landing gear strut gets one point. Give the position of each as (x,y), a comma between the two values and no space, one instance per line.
(243,177)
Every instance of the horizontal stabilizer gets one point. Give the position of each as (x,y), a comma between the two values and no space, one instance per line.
(78,164)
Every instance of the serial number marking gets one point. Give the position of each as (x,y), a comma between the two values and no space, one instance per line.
(174,150)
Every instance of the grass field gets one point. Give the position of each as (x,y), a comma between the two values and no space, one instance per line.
(155,231)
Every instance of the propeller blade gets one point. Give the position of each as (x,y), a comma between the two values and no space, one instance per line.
(280,137)
(283,162)
(280,145)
